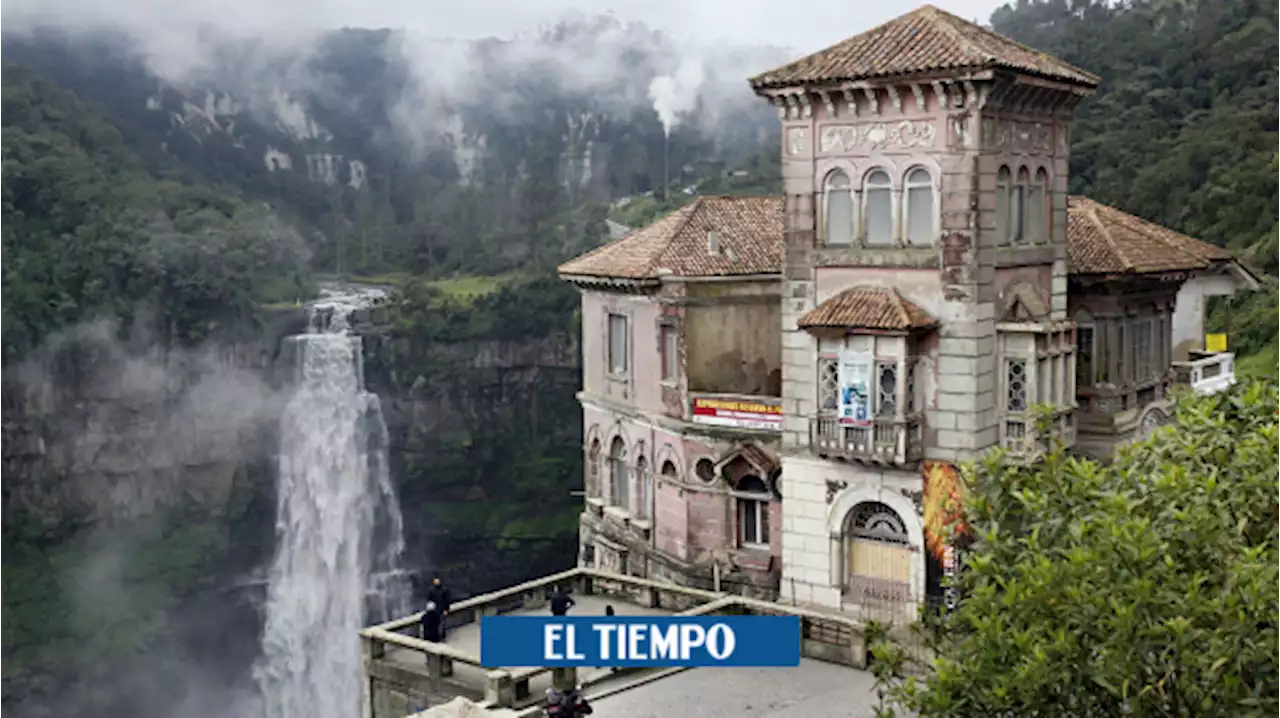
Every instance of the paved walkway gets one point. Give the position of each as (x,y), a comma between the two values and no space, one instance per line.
(811,690)
(467,638)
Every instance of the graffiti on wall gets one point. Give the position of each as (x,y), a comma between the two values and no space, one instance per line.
(943,501)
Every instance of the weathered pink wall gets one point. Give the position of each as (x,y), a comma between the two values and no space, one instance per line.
(641,386)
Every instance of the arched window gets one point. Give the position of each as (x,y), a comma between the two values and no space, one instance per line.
(619,488)
(669,469)
(919,207)
(1020,233)
(753,511)
(877,208)
(1038,207)
(875,521)
(839,209)
(593,469)
(644,488)
(1004,185)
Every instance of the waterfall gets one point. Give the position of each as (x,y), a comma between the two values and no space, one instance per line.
(338,525)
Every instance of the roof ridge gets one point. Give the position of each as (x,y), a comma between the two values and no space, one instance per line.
(899,306)
(942,20)
(1092,212)
(991,33)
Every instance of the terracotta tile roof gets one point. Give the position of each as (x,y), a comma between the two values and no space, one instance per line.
(1104,240)
(922,41)
(749,230)
(868,307)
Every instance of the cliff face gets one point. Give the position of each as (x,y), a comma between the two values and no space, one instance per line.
(137,489)
(486,447)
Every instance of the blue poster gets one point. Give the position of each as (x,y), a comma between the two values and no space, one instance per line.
(639,641)
(855,389)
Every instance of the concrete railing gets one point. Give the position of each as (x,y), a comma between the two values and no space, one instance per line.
(1207,372)
(824,636)
(511,687)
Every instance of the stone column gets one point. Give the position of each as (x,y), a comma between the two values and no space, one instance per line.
(563,679)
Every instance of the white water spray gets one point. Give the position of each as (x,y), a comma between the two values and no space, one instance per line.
(338,525)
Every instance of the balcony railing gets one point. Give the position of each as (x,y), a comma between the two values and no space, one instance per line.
(736,411)
(1207,372)
(885,440)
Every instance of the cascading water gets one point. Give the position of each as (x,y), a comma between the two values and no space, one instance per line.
(338,525)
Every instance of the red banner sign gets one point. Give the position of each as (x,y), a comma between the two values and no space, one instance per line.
(738,413)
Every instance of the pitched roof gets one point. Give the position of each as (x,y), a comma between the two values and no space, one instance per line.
(1104,240)
(868,307)
(749,232)
(924,40)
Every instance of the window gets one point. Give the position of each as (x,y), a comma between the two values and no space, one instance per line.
(839,209)
(886,390)
(1016,385)
(1018,209)
(1038,207)
(670,349)
(593,469)
(617,344)
(828,384)
(644,488)
(877,208)
(1004,182)
(919,209)
(619,486)
(669,470)
(753,512)
(1121,358)
(1143,367)
(1084,356)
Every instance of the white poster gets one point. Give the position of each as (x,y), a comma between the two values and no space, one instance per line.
(855,388)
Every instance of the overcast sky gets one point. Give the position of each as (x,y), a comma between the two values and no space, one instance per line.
(799,24)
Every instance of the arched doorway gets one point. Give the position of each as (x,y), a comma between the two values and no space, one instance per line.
(879,554)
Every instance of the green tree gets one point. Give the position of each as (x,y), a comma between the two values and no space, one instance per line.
(1146,587)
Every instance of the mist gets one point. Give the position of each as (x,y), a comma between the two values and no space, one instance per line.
(146,461)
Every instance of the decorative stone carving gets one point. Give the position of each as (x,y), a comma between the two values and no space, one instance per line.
(871,98)
(835,486)
(941,92)
(827,103)
(781,106)
(851,100)
(970,93)
(895,98)
(805,108)
(918,91)
(1020,136)
(961,136)
(797,141)
(793,110)
(1152,420)
(876,136)
(1064,138)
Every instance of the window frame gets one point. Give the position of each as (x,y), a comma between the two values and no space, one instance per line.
(1044,223)
(757,502)
(619,483)
(1004,205)
(611,359)
(870,191)
(907,186)
(828,189)
(643,488)
(1018,207)
(669,351)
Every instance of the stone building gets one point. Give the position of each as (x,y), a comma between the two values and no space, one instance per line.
(939,282)
(681,396)
(932,281)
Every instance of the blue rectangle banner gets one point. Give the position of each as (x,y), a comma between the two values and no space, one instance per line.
(639,641)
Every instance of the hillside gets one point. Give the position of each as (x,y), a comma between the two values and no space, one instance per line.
(395,152)
(1183,130)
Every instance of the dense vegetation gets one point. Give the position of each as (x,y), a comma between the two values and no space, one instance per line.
(1183,130)
(1145,587)
(88,231)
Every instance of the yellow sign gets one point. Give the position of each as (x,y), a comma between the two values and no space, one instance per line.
(1215,342)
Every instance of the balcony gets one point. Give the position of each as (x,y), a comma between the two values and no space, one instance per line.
(1207,372)
(741,412)
(885,440)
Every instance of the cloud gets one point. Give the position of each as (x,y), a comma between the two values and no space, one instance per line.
(703,49)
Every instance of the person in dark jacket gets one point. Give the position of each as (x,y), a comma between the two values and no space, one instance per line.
(560,602)
(438,600)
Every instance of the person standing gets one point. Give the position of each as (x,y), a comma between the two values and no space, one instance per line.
(438,600)
(560,602)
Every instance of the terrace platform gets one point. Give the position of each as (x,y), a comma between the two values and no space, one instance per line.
(405,674)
